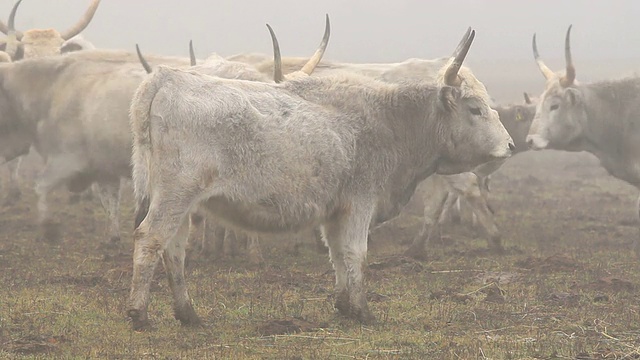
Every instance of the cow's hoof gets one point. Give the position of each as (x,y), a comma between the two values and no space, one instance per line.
(139,320)
(13,196)
(416,252)
(364,316)
(187,316)
(342,303)
(74,198)
(50,232)
(495,246)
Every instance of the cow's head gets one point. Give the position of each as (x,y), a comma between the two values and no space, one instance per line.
(43,42)
(517,120)
(560,112)
(476,133)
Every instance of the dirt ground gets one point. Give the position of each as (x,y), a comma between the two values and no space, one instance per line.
(567,287)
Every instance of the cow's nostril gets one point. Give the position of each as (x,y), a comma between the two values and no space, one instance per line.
(512,147)
(530,142)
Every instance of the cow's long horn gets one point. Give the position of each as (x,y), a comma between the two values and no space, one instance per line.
(317,56)
(143,61)
(192,54)
(9,29)
(277,58)
(451,77)
(546,72)
(13,37)
(570,75)
(83,23)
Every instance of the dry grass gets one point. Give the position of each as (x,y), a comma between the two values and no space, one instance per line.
(567,288)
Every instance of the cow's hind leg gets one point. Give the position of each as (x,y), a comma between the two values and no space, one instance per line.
(636,243)
(347,240)
(13,189)
(482,211)
(173,260)
(164,225)
(109,194)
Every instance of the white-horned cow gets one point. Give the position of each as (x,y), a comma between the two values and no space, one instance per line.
(412,70)
(35,43)
(601,118)
(74,110)
(336,152)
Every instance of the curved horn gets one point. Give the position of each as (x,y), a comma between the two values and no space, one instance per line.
(13,37)
(7,29)
(277,58)
(546,72)
(527,99)
(451,75)
(83,23)
(143,61)
(192,54)
(570,75)
(317,56)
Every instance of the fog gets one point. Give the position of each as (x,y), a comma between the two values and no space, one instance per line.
(605,35)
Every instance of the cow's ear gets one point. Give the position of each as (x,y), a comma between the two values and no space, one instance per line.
(448,96)
(573,96)
(519,114)
(70,47)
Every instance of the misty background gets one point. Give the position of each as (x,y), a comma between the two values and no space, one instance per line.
(605,35)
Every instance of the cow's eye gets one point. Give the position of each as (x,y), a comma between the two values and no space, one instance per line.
(475,111)
(554,107)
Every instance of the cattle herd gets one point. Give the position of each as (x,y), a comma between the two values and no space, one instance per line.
(262,145)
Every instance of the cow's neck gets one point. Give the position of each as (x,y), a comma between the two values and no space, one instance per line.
(612,129)
(31,84)
(418,140)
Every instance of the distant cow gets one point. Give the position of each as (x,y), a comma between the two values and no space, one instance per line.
(337,152)
(602,118)
(442,191)
(73,109)
(37,43)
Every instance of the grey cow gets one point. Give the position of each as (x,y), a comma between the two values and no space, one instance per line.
(441,192)
(35,43)
(74,110)
(337,152)
(601,118)
(413,70)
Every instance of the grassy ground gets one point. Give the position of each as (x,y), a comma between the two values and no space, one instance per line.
(567,287)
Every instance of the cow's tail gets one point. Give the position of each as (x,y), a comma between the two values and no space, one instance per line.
(140,121)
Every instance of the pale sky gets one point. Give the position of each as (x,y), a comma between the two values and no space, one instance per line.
(362,30)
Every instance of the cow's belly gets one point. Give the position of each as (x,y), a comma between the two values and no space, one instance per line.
(265,218)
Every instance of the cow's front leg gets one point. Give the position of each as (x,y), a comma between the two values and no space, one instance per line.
(56,171)
(481,210)
(254,250)
(434,207)
(13,188)
(109,194)
(636,243)
(349,232)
